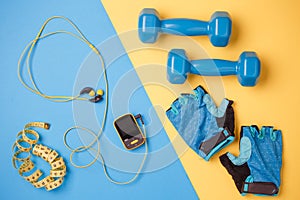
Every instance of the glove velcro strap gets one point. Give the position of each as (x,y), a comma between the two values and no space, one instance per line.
(265,188)
(217,142)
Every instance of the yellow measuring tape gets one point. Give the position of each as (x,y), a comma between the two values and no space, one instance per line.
(27,53)
(25,165)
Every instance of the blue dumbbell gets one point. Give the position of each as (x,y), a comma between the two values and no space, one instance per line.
(247,68)
(218,28)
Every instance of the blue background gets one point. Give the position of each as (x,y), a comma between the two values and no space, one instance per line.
(56,66)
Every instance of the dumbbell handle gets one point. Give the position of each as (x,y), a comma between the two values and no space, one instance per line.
(213,67)
(182,26)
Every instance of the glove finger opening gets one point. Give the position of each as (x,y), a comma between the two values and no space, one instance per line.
(245,152)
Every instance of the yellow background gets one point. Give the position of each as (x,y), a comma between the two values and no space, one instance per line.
(272,29)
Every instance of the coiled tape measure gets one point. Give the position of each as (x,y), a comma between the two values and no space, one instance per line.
(26,166)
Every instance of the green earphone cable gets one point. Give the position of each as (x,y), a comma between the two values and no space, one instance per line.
(57,98)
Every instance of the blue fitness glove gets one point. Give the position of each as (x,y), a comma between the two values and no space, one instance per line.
(204,127)
(257,169)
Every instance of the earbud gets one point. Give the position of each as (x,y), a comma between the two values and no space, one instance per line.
(92,93)
(100,92)
(97,96)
